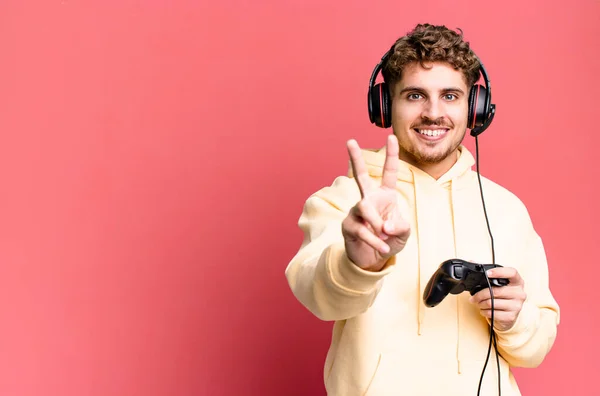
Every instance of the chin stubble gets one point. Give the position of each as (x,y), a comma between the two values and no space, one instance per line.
(426,158)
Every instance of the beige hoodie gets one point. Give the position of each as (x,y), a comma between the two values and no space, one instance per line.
(385,341)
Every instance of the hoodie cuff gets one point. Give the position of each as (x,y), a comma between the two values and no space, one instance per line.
(527,320)
(348,276)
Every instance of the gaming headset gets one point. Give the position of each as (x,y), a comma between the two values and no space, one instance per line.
(481,109)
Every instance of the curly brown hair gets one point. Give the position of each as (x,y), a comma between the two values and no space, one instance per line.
(429,43)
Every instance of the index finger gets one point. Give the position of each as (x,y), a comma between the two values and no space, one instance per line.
(506,272)
(359,168)
(390,167)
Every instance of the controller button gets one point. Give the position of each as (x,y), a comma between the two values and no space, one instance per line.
(457,271)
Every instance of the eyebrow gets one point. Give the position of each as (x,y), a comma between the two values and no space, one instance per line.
(444,90)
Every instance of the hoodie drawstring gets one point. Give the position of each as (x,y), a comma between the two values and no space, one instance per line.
(458,354)
(420,279)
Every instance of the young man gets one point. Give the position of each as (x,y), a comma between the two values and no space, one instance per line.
(373,239)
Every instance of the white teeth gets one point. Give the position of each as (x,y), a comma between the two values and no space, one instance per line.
(431,132)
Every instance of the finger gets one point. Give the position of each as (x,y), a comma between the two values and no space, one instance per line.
(359,168)
(481,295)
(500,316)
(361,232)
(509,273)
(390,166)
(367,212)
(501,304)
(516,303)
(505,292)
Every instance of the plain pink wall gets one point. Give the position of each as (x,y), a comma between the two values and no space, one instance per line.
(155,157)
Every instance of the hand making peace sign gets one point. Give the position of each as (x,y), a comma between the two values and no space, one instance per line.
(374,230)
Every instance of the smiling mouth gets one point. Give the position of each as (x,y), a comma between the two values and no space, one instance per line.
(431,132)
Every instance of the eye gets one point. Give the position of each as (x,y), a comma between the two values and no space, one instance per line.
(414,96)
(450,97)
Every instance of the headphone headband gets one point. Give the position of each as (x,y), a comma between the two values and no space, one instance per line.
(378,68)
(490,108)
(376,71)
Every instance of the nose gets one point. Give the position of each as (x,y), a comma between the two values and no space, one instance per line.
(432,109)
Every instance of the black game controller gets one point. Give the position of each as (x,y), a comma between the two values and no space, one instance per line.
(455,276)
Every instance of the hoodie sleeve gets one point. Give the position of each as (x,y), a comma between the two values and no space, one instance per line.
(528,342)
(320,275)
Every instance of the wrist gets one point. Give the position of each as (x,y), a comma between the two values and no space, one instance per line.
(345,274)
(378,267)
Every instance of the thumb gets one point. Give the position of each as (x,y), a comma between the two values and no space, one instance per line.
(388,227)
(396,226)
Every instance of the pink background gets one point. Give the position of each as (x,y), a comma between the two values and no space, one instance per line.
(155,157)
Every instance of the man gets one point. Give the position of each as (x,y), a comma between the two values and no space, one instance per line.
(373,239)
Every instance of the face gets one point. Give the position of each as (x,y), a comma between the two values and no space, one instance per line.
(429,115)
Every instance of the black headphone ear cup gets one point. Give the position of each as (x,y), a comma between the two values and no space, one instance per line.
(478,108)
(379,103)
(374,108)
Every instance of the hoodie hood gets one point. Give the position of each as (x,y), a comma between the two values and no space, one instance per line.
(420,184)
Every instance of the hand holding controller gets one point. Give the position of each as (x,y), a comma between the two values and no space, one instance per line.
(455,276)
